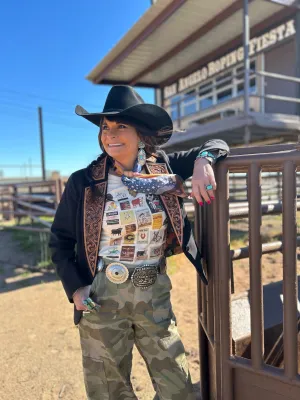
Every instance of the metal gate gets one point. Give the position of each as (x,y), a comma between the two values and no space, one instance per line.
(225,375)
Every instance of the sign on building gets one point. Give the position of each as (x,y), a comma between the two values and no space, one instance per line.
(256,45)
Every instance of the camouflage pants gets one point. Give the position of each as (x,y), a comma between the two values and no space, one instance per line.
(131,316)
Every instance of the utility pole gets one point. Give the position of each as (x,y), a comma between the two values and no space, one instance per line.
(246,39)
(42,143)
(297,50)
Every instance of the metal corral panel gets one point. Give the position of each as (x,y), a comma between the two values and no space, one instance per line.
(249,385)
(174,22)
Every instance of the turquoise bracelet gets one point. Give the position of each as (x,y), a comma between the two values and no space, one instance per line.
(208,155)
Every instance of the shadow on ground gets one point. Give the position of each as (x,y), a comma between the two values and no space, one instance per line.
(17,268)
(20,278)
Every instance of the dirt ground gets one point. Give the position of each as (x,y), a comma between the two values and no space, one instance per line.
(39,345)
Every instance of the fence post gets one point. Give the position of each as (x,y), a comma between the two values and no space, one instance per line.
(30,192)
(10,206)
(224,284)
(15,204)
(58,191)
(203,340)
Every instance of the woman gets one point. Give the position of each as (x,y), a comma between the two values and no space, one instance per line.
(124,215)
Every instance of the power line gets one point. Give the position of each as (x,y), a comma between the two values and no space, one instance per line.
(54,112)
(18,166)
(41,97)
(47,121)
(60,117)
(33,107)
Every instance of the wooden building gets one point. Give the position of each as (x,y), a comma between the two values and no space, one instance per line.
(194,54)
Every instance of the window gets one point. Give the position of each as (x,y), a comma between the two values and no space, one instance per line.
(175,104)
(224,95)
(206,88)
(252,88)
(240,70)
(240,79)
(206,102)
(224,87)
(189,102)
(205,95)
(224,80)
(214,91)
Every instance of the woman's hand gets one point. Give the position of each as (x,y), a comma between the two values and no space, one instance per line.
(203,175)
(79,296)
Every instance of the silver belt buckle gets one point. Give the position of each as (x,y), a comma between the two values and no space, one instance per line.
(144,277)
(117,272)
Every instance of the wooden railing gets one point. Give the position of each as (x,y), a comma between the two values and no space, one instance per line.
(30,199)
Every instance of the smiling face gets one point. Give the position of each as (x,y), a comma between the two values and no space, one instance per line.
(120,141)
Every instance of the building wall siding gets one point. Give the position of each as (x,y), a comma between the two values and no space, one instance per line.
(281,60)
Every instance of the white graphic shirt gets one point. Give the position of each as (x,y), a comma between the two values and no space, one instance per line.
(134,226)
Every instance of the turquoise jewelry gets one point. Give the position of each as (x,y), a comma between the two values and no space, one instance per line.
(89,303)
(141,154)
(209,187)
(208,155)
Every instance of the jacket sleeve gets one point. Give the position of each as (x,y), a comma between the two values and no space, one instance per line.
(63,241)
(182,162)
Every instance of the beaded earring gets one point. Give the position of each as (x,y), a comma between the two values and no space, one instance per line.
(141,154)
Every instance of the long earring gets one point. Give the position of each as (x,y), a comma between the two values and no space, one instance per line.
(141,154)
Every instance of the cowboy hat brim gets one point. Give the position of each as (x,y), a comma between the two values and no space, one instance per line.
(153,117)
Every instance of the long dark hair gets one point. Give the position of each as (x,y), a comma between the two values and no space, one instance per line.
(145,134)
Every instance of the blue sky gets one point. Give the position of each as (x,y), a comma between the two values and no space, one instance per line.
(47,49)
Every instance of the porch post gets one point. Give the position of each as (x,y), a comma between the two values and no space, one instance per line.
(297,51)
(246,38)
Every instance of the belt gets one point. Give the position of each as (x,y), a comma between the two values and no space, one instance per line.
(142,277)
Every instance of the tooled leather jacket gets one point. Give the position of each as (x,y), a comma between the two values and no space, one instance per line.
(76,230)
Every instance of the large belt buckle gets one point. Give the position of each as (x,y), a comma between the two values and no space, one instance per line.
(117,272)
(145,276)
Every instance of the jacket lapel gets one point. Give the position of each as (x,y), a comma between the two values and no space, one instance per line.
(93,214)
(170,202)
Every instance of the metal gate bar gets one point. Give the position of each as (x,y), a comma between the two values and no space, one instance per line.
(290,281)
(257,335)
(225,280)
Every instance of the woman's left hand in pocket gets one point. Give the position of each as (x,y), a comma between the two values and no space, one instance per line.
(81,296)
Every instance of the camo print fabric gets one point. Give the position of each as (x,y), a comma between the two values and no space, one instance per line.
(131,316)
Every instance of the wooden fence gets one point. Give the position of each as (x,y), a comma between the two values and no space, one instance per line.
(30,199)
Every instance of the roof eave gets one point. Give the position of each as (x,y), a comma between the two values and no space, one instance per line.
(120,82)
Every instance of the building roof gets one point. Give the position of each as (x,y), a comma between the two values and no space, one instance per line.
(175,37)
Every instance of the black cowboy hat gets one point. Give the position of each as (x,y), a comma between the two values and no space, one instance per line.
(125,102)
